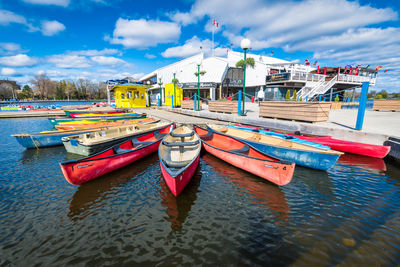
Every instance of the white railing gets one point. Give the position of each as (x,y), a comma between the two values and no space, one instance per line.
(355,79)
(320,88)
(305,76)
(307,91)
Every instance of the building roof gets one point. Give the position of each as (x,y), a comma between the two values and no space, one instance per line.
(131,85)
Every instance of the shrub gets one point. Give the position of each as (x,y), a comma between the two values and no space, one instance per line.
(287,95)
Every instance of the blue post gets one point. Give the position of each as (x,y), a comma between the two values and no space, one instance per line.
(172,98)
(240,101)
(324,99)
(363,104)
(320,97)
(195,101)
(306,98)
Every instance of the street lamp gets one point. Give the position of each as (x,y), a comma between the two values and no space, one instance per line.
(245,44)
(160,83)
(198,83)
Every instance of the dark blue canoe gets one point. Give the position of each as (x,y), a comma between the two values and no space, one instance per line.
(50,138)
(301,154)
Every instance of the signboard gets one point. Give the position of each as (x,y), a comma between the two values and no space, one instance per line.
(195,85)
(233,82)
(278,77)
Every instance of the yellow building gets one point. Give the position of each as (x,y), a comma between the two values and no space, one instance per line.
(169,92)
(131,95)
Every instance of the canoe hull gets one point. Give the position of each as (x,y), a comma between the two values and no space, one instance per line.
(91,170)
(178,183)
(277,172)
(55,121)
(310,159)
(80,171)
(375,151)
(39,141)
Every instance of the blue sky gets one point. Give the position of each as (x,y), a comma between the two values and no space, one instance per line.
(102,39)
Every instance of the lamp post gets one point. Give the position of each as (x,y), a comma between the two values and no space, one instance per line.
(245,44)
(160,83)
(198,83)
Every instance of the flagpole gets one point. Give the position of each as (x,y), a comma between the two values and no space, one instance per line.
(213,37)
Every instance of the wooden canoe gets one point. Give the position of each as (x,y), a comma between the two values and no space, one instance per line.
(245,156)
(94,142)
(91,115)
(303,155)
(57,120)
(80,171)
(376,151)
(179,154)
(73,113)
(90,124)
(280,135)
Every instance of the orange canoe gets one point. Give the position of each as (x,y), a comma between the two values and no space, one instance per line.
(72,126)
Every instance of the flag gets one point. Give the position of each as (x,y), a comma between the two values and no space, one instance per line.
(386,70)
(215,23)
(315,63)
(367,66)
(307,62)
(378,68)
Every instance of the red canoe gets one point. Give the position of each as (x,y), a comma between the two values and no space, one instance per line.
(246,157)
(376,151)
(179,154)
(83,170)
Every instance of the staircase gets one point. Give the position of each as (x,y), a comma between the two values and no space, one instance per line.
(320,87)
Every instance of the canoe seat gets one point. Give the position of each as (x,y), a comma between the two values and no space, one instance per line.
(245,149)
(207,137)
(118,150)
(177,164)
(136,143)
(182,135)
(165,143)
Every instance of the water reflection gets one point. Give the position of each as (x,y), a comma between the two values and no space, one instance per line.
(262,193)
(42,155)
(95,192)
(363,162)
(178,208)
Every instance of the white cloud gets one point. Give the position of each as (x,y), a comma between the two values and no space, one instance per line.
(69,61)
(8,72)
(192,47)
(10,48)
(7,17)
(182,18)
(19,60)
(144,33)
(102,60)
(93,52)
(150,56)
(53,27)
(63,3)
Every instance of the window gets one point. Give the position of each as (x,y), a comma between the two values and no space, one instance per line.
(136,94)
(129,94)
(122,96)
(142,96)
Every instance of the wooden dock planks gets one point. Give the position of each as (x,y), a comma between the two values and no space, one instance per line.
(386,105)
(300,111)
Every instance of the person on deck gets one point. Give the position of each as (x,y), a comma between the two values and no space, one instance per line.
(260,95)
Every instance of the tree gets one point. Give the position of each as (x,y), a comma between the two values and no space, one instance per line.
(249,63)
(44,86)
(294,95)
(61,89)
(26,93)
(337,98)
(378,96)
(287,95)
(384,94)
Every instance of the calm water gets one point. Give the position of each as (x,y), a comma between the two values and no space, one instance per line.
(346,216)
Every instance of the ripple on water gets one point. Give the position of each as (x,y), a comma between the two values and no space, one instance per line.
(224,216)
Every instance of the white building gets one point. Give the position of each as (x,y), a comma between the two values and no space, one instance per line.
(275,76)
